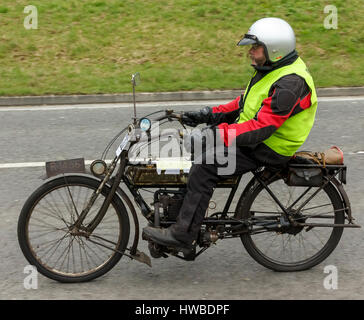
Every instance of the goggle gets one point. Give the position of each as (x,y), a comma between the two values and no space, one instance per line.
(256,42)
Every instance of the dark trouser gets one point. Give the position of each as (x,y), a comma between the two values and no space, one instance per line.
(200,186)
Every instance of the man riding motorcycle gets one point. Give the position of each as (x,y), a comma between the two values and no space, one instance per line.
(268,123)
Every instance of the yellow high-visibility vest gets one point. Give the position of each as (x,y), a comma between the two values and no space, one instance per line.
(294,131)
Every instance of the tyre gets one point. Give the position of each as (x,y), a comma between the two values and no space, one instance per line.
(288,248)
(44,230)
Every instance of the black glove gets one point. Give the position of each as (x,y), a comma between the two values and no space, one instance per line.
(194,118)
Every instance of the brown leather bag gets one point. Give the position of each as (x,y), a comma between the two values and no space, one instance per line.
(334,155)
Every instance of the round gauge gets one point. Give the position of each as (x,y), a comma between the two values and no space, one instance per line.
(145,124)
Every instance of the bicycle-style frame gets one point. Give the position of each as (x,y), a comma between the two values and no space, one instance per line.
(233,225)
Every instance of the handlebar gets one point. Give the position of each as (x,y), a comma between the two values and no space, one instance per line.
(169,114)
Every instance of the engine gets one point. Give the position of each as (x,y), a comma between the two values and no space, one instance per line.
(168,203)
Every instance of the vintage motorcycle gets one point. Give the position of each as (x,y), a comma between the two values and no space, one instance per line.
(76,226)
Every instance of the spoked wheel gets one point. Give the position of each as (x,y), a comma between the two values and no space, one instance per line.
(49,241)
(282,247)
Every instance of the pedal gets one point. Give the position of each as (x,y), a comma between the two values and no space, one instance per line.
(155,250)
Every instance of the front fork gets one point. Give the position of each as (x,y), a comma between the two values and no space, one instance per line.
(100,215)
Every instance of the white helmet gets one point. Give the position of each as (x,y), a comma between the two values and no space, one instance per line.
(275,34)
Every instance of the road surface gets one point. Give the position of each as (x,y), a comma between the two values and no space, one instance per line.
(32,135)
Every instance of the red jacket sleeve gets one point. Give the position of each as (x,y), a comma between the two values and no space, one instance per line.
(224,108)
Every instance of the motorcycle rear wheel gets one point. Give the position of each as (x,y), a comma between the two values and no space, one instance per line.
(44,230)
(294,249)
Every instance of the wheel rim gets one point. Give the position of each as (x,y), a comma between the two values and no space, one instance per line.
(294,246)
(54,246)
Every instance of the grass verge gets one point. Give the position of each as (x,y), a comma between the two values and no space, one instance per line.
(94,46)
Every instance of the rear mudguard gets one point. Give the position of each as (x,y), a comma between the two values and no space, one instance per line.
(119,193)
(253,183)
(344,199)
(248,189)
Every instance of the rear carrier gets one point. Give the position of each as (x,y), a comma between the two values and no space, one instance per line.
(313,169)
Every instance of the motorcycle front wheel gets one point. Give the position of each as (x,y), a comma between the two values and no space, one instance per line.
(45,224)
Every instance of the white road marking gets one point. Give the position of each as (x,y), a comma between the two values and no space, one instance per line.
(150,104)
(34,164)
(21,165)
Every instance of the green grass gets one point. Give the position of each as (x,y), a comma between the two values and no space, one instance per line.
(94,46)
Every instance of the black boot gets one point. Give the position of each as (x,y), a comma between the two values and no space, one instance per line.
(163,236)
